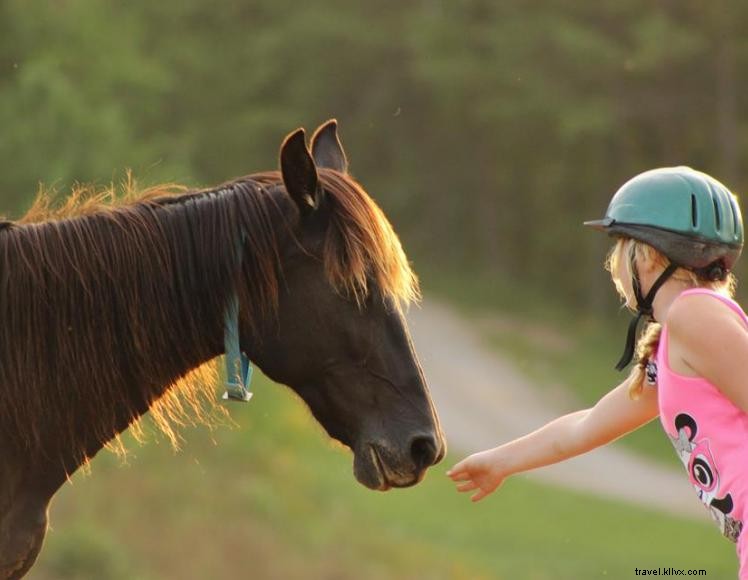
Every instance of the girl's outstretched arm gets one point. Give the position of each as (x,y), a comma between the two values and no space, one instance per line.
(613,416)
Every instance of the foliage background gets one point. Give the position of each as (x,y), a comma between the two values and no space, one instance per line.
(488,130)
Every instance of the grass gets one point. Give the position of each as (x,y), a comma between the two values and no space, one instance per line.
(275,499)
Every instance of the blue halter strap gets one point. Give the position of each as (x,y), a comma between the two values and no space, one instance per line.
(238,365)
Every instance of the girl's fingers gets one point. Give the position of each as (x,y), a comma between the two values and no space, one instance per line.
(469,486)
(480,495)
(459,466)
(459,475)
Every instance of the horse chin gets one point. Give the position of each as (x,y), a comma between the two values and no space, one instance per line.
(372,471)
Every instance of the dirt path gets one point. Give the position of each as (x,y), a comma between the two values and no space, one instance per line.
(483,400)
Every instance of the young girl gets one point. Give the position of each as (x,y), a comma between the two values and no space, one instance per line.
(679,233)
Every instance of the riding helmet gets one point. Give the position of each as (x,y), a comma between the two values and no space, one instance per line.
(687,215)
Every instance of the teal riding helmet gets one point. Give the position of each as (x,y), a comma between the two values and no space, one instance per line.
(688,216)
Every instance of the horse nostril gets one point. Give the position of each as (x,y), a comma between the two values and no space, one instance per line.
(423,450)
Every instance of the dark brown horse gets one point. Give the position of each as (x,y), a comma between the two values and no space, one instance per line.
(106,308)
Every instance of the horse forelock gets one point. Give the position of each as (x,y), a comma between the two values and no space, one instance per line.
(116,289)
(361,245)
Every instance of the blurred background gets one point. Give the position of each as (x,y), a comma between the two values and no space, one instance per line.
(488,131)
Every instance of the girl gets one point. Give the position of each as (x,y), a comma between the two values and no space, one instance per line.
(679,233)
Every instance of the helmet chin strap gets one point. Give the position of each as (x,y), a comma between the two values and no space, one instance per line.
(643,308)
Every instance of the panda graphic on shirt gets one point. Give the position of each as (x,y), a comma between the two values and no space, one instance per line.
(699,462)
(701,466)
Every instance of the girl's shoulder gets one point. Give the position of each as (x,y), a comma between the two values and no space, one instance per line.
(703,313)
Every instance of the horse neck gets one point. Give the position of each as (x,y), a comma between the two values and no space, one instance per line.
(111,311)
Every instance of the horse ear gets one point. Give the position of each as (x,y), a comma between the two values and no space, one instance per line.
(299,172)
(327,149)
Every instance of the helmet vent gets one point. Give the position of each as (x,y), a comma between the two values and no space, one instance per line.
(717,217)
(694,211)
(735,212)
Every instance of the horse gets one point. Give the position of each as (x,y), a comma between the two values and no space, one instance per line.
(108,307)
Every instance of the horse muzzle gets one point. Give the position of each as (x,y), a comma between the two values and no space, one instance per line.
(379,465)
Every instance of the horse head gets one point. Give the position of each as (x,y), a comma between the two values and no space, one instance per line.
(339,338)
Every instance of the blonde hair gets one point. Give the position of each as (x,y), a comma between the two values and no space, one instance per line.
(620,259)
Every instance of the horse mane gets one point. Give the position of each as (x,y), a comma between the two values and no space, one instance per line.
(119,287)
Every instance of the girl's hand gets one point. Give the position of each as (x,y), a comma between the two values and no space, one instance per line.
(482,471)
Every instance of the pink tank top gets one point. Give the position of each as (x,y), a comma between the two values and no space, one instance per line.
(710,435)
